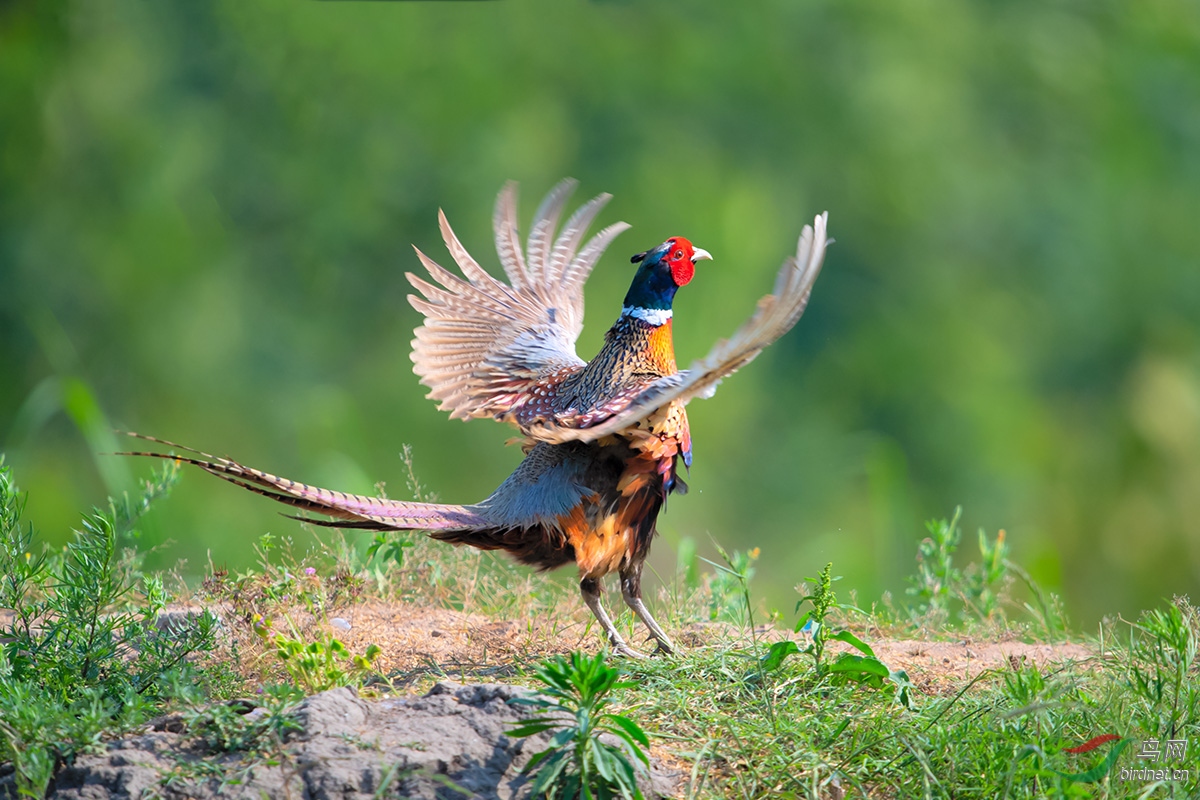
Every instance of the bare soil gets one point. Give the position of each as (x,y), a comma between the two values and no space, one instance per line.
(417,641)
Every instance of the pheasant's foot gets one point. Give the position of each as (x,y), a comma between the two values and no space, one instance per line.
(622,649)
(662,646)
(590,588)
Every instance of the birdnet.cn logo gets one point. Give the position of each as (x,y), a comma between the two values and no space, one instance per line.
(1155,761)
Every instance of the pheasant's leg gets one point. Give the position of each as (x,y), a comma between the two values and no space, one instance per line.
(590,589)
(631,590)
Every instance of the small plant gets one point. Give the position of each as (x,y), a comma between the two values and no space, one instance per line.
(392,544)
(812,622)
(822,599)
(1025,685)
(729,598)
(577,764)
(979,587)
(1049,612)
(83,651)
(319,665)
(866,669)
(936,574)
(986,582)
(285,583)
(1163,666)
(229,727)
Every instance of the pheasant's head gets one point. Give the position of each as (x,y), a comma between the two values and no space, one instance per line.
(661,271)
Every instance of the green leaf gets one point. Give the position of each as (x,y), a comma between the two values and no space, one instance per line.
(554,766)
(903,686)
(562,737)
(852,640)
(632,728)
(601,757)
(535,760)
(850,664)
(721,567)
(529,730)
(776,654)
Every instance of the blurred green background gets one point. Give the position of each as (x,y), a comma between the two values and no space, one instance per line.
(206,211)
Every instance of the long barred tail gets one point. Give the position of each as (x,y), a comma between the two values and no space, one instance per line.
(350,510)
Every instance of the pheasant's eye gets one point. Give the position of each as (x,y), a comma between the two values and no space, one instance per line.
(678,255)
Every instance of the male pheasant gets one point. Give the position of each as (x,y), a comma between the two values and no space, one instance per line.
(603,438)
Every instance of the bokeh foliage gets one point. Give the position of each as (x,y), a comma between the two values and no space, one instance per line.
(206,210)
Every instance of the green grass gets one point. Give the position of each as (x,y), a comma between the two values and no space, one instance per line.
(801,707)
(1001,735)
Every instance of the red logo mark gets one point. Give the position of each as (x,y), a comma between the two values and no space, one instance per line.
(1092,744)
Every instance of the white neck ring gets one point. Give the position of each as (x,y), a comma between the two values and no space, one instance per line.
(653,316)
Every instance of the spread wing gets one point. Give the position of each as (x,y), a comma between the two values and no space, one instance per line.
(775,316)
(484,342)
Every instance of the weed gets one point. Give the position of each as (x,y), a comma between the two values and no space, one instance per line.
(1048,612)
(1038,701)
(241,726)
(281,586)
(392,544)
(822,599)
(738,569)
(83,651)
(865,669)
(1163,668)
(936,574)
(577,764)
(980,590)
(728,588)
(323,664)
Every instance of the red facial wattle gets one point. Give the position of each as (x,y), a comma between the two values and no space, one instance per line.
(680,260)
(682,271)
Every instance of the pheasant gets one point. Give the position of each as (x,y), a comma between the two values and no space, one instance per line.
(603,439)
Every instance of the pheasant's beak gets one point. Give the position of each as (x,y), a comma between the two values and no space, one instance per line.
(699,254)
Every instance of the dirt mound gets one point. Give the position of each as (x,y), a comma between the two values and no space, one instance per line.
(449,743)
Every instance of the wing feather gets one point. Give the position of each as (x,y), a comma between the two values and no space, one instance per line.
(476,274)
(508,240)
(541,234)
(774,316)
(484,341)
(572,236)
